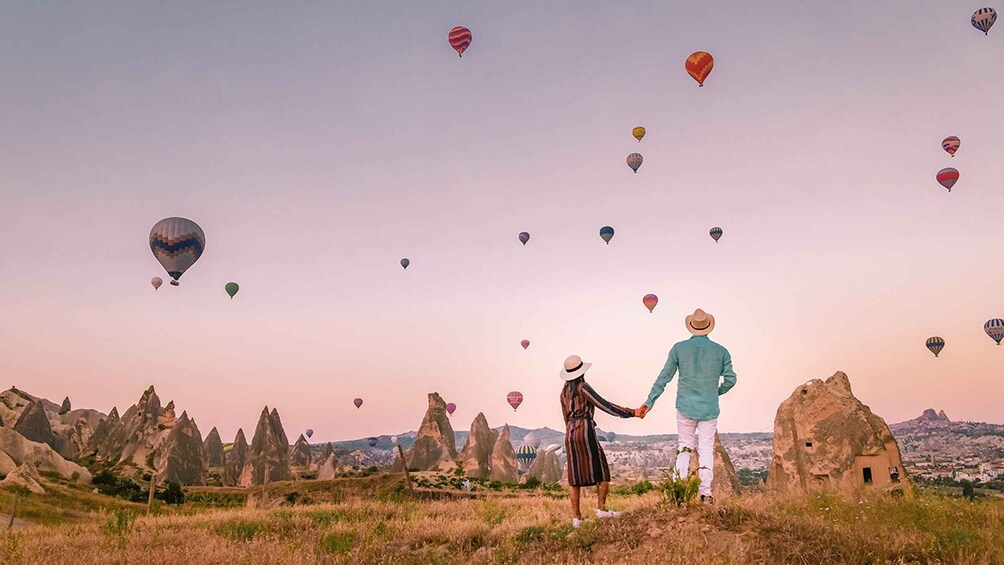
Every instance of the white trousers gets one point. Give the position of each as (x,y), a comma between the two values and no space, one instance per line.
(699,434)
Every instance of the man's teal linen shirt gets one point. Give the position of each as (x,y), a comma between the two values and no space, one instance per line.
(701,362)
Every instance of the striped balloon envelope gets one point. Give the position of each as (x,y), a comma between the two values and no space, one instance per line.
(935,344)
(634,161)
(947,177)
(951,144)
(460,39)
(638,133)
(716,233)
(699,65)
(526,454)
(995,329)
(177,243)
(514,398)
(983,19)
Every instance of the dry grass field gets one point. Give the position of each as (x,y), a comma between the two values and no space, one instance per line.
(378,522)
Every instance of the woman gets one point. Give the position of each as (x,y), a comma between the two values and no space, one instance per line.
(587,465)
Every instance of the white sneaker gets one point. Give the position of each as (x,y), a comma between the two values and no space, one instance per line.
(576,522)
(606,513)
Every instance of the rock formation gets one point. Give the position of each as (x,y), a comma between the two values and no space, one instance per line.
(180,458)
(300,454)
(435,445)
(547,466)
(824,437)
(101,431)
(233,467)
(476,457)
(328,469)
(25,475)
(725,482)
(33,424)
(213,448)
(328,451)
(503,465)
(65,406)
(15,450)
(269,451)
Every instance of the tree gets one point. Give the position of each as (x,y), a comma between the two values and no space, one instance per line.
(968,492)
(173,493)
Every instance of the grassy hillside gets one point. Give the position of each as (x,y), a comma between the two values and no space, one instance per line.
(374,521)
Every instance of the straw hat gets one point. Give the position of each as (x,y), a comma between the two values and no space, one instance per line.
(574,368)
(700,322)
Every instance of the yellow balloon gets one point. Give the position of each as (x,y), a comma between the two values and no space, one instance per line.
(638,133)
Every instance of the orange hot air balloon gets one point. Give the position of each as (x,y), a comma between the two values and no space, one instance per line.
(460,39)
(650,300)
(699,66)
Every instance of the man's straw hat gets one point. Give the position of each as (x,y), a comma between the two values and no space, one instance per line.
(700,322)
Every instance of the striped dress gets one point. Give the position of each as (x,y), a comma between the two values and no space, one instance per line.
(587,465)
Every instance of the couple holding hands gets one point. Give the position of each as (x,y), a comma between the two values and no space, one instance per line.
(705,374)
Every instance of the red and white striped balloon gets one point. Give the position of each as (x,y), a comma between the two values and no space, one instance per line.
(951,144)
(514,398)
(947,177)
(460,39)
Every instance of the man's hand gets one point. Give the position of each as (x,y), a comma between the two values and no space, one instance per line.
(640,413)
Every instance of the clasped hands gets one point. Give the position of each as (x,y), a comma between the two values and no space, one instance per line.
(640,412)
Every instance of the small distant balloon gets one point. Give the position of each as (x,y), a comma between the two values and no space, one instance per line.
(177,243)
(372,441)
(393,439)
(358,402)
(451,408)
(514,398)
(947,177)
(951,144)
(232,289)
(716,234)
(699,65)
(935,344)
(405,262)
(611,436)
(525,343)
(995,329)
(310,433)
(607,233)
(634,161)
(156,282)
(460,39)
(526,454)
(650,301)
(524,237)
(638,133)
(532,440)
(983,19)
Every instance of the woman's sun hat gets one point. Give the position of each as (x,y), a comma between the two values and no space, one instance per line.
(700,322)
(574,368)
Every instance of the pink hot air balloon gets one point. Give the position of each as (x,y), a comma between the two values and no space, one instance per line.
(525,343)
(650,300)
(947,177)
(358,402)
(156,282)
(951,144)
(515,398)
(451,408)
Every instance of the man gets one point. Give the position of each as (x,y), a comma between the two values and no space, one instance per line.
(701,363)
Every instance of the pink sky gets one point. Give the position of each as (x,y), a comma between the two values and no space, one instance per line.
(317,145)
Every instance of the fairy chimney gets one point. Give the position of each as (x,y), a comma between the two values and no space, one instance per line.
(725,482)
(476,457)
(547,466)
(824,437)
(300,455)
(503,466)
(213,448)
(435,445)
(233,466)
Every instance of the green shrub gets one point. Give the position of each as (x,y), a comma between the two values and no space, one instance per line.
(677,489)
(173,494)
(531,483)
(530,534)
(336,542)
(108,484)
(120,522)
(239,529)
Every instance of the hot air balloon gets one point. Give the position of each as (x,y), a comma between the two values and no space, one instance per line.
(514,398)
(405,262)
(451,408)
(232,289)
(634,161)
(177,243)
(699,65)
(532,440)
(983,19)
(716,233)
(935,344)
(310,433)
(156,282)
(393,439)
(638,133)
(995,329)
(611,436)
(525,343)
(524,237)
(358,402)
(526,454)
(460,39)
(947,177)
(650,300)
(607,233)
(372,441)
(951,144)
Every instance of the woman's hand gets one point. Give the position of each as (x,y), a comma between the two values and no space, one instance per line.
(640,412)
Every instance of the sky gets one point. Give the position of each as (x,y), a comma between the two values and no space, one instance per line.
(319,143)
